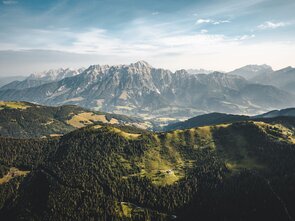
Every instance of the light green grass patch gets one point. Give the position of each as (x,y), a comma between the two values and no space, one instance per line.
(13,105)
(12,173)
(130,136)
(248,163)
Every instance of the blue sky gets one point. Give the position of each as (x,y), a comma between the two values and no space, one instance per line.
(212,34)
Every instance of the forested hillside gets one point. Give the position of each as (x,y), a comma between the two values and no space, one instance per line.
(27,120)
(284,116)
(206,120)
(238,171)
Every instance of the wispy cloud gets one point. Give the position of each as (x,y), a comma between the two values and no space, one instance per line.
(192,36)
(220,22)
(271,25)
(211,21)
(101,41)
(9,2)
(245,37)
(162,49)
(203,21)
(230,7)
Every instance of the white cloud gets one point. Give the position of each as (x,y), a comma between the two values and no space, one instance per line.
(204,31)
(148,41)
(170,44)
(210,21)
(9,2)
(159,44)
(245,37)
(220,22)
(271,25)
(209,52)
(202,21)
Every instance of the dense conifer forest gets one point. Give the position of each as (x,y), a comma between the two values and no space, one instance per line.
(28,120)
(238,171)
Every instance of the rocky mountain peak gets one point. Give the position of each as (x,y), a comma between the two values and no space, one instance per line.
(199,71)
(55,74)
(96,70)
(141,64)
(141,68)
(252,71)
(256,67)
(181,71)
(217,74)
(287,69)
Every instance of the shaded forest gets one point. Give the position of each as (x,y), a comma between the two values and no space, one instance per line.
(243,171)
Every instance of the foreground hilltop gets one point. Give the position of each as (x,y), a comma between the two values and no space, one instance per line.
(235,171)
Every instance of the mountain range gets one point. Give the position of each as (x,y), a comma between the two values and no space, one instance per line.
(142,90)
(284,79)
(250,72)
(264,74)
